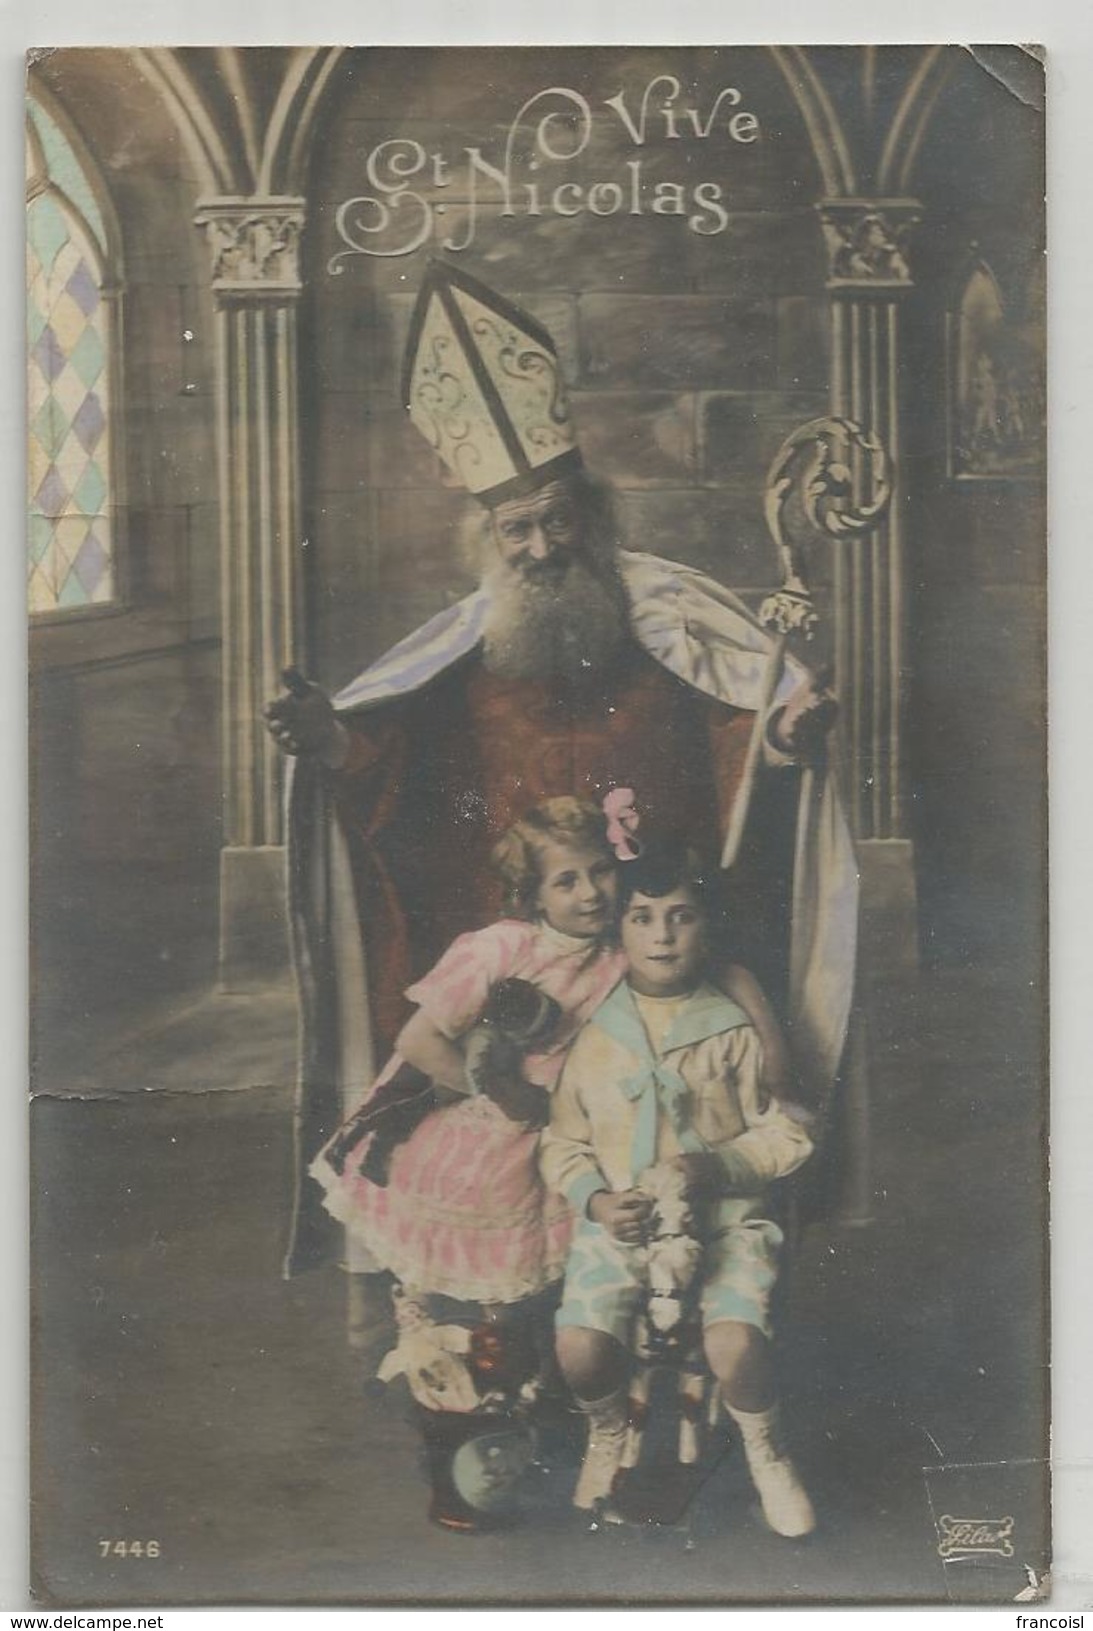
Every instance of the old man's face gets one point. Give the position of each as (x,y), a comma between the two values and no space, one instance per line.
(539,536)
(556,608)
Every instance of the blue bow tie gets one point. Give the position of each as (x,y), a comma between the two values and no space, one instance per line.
(657,1087)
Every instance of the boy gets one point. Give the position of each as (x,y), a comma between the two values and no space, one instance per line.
(668,1069)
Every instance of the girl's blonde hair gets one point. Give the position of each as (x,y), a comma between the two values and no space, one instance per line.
(518,854)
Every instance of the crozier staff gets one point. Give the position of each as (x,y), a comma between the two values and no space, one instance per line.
(575,668)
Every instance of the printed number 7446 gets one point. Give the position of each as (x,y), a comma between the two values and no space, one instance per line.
(129,1548)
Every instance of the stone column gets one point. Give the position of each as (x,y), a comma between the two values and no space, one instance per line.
(254,245)
(869,276)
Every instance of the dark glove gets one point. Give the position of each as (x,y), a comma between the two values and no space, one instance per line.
(393,1112)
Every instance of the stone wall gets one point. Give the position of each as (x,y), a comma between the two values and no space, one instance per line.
(688,357)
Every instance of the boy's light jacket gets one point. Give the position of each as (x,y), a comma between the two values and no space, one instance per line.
(620,1107)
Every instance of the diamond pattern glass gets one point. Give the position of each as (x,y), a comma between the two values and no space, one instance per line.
(70,560)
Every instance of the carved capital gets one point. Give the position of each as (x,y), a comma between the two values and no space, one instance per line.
(867,241)
(254,246)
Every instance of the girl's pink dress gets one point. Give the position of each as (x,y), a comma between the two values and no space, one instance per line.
(465,1212)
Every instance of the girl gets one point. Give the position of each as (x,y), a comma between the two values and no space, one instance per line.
(464,1213)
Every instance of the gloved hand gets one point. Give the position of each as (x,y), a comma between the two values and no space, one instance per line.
(799,729)
(302,720)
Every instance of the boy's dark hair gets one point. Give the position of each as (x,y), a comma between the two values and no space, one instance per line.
(659,869)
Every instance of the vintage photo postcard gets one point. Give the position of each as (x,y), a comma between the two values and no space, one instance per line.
(536,591)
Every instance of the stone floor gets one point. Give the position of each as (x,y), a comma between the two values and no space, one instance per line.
(185,1393)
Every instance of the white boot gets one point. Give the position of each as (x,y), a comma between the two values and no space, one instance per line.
(608,1423)
(785,1502)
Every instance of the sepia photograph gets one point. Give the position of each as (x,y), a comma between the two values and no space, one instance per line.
(537,624)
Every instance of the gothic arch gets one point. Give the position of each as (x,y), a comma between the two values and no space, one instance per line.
(245,143)
(825,132)
(242,142)
(846,171)
(109,240)
(912,116)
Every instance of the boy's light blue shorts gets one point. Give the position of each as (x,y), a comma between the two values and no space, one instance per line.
(605,1280)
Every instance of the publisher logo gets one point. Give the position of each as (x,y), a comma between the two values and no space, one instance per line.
(972,1537)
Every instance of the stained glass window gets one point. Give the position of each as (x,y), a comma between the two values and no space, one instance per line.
(71,534)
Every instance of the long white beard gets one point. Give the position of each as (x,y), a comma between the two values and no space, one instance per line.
(571,628)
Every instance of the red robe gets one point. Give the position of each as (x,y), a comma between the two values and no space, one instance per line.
(434,780)
(389,858)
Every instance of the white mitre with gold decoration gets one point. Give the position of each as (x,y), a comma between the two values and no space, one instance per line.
(482,383)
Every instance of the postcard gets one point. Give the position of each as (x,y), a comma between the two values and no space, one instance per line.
(536,576)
